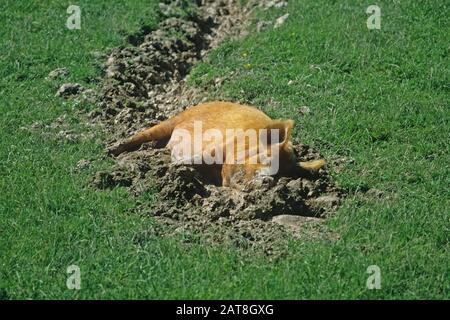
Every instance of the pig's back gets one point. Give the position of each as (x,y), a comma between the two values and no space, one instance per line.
(222,115)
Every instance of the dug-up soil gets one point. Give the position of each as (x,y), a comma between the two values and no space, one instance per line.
(146,83)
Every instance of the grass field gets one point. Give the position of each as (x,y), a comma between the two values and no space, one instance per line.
(379,97)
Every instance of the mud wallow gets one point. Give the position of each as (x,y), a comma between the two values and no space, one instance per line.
(145,84)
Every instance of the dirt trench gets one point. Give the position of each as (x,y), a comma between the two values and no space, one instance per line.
(146,83)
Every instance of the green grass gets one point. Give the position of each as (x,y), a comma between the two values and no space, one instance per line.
(378,97)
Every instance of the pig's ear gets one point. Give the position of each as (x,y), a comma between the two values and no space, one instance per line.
(284,128)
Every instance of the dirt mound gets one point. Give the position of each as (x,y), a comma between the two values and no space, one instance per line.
(145,84)
(264,212)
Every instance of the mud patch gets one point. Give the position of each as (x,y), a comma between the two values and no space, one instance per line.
(59,130)
(264,213)
(145,84)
